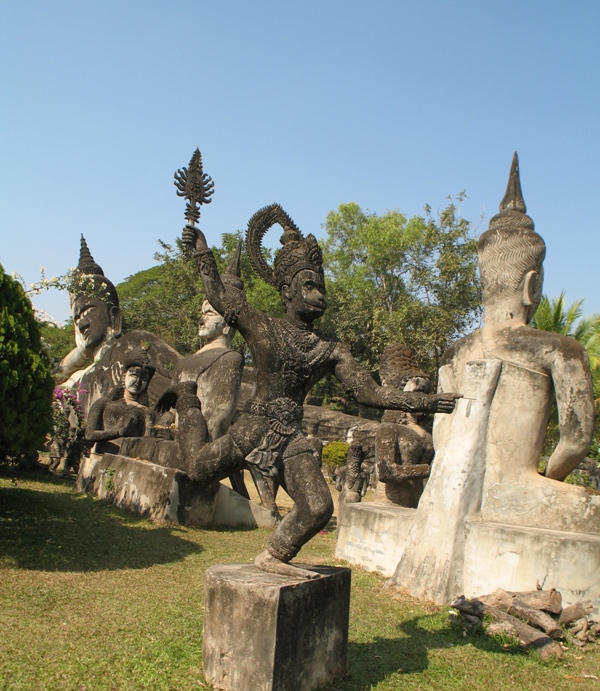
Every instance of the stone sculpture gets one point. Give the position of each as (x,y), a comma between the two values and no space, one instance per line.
(487,518)
(124,411)
(289,357)
(98,336)
(403,447)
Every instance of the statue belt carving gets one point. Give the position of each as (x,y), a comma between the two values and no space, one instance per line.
(285,422)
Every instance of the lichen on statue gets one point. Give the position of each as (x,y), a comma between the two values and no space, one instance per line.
(95,365)
(289,357)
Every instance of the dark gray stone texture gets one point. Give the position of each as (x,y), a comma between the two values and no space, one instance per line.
(265,632)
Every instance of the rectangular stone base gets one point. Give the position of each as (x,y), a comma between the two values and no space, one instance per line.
(163,493)
(515,558)
(373,535)
(264,632)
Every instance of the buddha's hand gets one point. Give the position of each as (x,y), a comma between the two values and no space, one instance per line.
(442,402)
(193,239)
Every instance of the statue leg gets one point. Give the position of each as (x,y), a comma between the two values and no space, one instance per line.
(302,479)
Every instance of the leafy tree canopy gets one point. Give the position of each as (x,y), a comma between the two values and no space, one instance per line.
(167,299)
(394,279)
(25,383)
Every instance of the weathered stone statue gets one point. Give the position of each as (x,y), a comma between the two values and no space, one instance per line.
(124,412)
(403,447)
(486,512)
(289,357)
(216,369)
(98,337)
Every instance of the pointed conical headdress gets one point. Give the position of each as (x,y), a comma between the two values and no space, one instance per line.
(231,275)
(513,212)
(510,247)
(90,278)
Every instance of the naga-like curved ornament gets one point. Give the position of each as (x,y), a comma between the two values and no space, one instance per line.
(258,225)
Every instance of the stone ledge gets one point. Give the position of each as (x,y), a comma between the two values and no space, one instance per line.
(498,555)
(163,493)
(373,535)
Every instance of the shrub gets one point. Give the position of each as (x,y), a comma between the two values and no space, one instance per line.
(335,454)
(25,382)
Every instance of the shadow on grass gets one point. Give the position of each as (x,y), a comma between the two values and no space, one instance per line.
(62,531)
(373,662)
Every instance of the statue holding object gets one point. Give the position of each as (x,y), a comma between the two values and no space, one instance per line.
(289,357)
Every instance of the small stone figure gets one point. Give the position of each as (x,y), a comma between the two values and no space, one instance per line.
(98,336)
(124,412)
(353,479)
(404,448)
(289,357)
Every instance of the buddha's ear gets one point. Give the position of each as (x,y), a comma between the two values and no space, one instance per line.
(116,320)
(226,330)
(531,287)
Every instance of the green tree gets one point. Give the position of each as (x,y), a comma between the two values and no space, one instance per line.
(394,279)
(167,299)
(57,340)
(25,383)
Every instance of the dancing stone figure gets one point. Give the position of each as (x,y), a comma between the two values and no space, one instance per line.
(289,357)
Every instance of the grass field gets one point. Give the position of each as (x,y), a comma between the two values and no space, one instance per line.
(95,599)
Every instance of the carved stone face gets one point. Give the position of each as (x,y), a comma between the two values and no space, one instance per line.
(305,297)
(91,317)
(136,380)
(211,323)
(421,384)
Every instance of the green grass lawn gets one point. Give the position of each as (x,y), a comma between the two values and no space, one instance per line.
(93,598)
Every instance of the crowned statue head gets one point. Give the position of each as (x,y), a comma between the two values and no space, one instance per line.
(94,304)
(511,254)
(297,272)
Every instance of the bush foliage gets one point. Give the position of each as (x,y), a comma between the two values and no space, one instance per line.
(25,382)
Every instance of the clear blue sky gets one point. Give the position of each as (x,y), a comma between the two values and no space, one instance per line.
(389,104)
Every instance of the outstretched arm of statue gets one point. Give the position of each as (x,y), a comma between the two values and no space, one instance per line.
(230,304)
(575,401)
(73,361)
(361,385)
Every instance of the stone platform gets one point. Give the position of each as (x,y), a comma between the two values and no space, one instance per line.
(163,493)
(497,555)
(264,632)
(373,535)
(516,558)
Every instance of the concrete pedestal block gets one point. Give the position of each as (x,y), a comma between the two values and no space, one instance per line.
(264,632)
(373,535)
(515,558)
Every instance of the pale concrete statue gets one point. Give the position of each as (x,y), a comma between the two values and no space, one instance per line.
(216,369)
(487,517)
(95,365)
(124,412)
(403,447)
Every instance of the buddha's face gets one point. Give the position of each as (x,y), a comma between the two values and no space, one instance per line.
(91,317)
(211,323)
(136,380)
(305,296)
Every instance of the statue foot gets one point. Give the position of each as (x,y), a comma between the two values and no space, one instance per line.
(265,561)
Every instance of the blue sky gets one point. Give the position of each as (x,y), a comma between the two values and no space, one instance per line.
(310,104)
